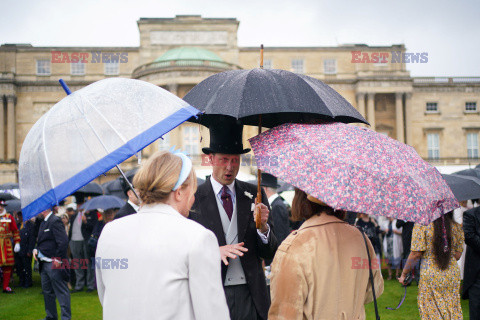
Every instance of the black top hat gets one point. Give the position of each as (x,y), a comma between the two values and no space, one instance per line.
(226,137)
(269,181)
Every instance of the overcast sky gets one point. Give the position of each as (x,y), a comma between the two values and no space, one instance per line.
(448,30)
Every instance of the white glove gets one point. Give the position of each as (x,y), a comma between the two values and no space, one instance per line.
(16,248)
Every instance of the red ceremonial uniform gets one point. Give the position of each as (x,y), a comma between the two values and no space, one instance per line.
(8,230)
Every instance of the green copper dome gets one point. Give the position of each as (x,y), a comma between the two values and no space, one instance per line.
(189,53)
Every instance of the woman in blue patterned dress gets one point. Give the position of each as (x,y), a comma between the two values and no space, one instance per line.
(440,245)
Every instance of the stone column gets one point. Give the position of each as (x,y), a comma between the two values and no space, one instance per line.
(371,110)
(399,116)
(173,88)
(408,118)
(2,129)
(361,104)
(11,141)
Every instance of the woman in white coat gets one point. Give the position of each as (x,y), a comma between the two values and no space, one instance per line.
(157,264)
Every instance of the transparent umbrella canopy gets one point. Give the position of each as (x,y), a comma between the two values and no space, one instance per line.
(89,132)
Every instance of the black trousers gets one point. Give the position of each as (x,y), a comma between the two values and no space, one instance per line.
(240,303)
(23,264)
(474,300)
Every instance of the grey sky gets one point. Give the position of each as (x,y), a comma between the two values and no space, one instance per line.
(447,30)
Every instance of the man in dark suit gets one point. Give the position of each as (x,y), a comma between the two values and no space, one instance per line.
(23,259)
(52,244)
(226,206)
(471,279)
(81,227)
(133,202)
(279,210)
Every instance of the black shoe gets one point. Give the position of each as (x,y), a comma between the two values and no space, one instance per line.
(90,290)
(76,290)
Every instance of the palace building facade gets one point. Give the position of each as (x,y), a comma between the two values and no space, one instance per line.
(439,117)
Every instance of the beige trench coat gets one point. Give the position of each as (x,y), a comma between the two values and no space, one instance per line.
(321,272)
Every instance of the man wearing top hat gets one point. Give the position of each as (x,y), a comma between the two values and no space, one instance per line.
(226,206)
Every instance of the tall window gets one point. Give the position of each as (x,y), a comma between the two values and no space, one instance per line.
(112,68)
(471,106)
(298,66)
(77,68)
(432,107)
(330,66)
(267,64)
(472,145)
(191,140)
(43,67)
(433,146)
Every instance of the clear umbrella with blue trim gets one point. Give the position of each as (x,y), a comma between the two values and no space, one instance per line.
(89,132)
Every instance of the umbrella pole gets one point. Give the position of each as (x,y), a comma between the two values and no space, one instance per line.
(258,217)
(129,184)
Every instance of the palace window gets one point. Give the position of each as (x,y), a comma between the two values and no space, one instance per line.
(112,68)
(298,66)
(43,67)
(77,68)
(191,140)
(267,64)
(330,66)
(433,146)
(472,145)
(471,106)
(432,107)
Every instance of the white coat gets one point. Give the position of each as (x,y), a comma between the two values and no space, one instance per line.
(159,265)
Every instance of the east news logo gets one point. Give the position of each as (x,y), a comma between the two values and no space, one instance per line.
(89,57)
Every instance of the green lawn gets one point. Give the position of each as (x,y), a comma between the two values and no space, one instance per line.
(27,304)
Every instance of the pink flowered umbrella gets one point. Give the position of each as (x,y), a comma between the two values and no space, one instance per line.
(355,169)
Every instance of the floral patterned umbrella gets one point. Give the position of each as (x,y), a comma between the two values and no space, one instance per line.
(355,169)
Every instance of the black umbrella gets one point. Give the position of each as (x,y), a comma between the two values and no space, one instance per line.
(89,190)
(4,196)
(463,187)
(279,96)
(469,172)
(114,188)
(12,206)
(9,186)
(103,202)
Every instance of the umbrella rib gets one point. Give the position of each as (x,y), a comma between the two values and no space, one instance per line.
(46,155)
(106,120)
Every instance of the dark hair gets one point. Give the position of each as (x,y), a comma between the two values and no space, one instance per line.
(442,258)
(302,208)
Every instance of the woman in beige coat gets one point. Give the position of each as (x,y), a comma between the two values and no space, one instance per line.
(321,270)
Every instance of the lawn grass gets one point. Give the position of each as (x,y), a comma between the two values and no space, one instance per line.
(27,304)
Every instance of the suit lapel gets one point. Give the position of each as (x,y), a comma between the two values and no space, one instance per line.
(244,206)
(210,210)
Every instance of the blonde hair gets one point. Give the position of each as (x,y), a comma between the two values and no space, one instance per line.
(157,177)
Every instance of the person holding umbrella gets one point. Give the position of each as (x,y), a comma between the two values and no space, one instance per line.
(321,270)
(226,206)
(171,268)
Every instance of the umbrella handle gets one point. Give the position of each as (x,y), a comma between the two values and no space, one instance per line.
(258,216)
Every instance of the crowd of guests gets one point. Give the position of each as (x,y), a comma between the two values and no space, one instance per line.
(201,255)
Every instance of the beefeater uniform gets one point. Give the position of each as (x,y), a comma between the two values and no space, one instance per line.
(8,230)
